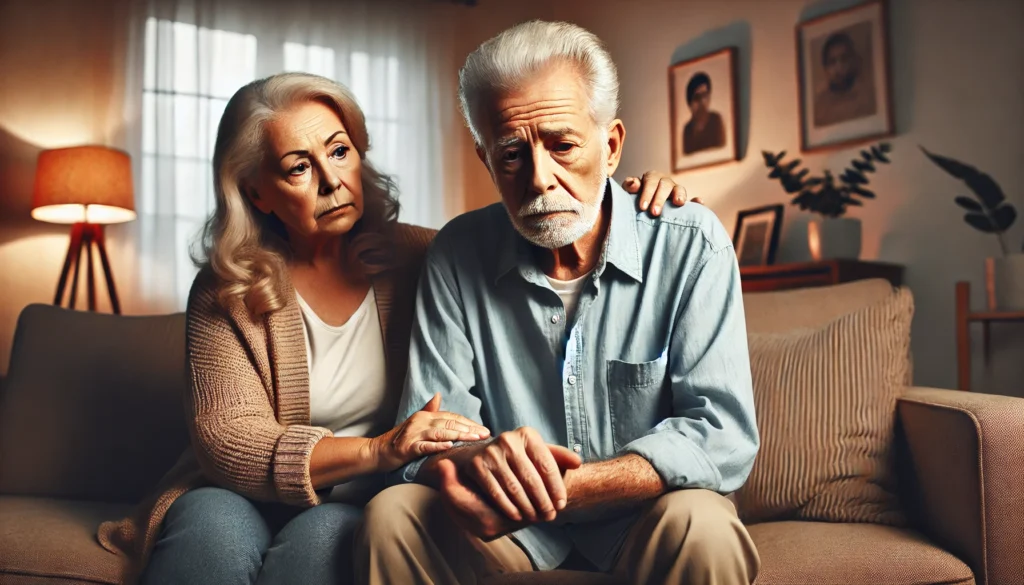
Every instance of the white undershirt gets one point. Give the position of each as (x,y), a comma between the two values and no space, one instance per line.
(347,381)
(569,291)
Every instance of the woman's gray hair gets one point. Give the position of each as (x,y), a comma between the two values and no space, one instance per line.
(506,61)
(248,250)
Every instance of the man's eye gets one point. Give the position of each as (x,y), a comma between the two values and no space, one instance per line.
(510,156)
(564,146)
(298,169)
(340,151)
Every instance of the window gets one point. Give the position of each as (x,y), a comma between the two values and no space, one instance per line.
(190,73)
(374,81)
(309,59)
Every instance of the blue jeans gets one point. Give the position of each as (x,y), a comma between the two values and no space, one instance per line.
(213,535)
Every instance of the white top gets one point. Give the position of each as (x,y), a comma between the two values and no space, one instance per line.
(347,381)
(569,291)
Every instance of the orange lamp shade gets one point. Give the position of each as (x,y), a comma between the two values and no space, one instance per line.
(91,184)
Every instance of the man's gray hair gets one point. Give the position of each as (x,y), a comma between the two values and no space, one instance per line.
(506,62)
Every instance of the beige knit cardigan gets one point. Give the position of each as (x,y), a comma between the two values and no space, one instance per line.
(248,408)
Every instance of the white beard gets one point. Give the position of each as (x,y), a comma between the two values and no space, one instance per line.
(557,232)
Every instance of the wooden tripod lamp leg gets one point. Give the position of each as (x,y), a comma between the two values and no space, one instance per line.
(101,247)
(74,248)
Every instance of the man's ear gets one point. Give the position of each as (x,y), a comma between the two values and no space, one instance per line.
(616,138)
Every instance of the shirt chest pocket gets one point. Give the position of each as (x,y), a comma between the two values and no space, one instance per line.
(638,397)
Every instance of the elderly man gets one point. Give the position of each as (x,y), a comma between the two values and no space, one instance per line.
(605,350)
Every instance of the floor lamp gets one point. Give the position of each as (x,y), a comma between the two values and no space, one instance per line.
(87,187)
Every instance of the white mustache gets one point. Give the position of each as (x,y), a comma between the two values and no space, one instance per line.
(549,204)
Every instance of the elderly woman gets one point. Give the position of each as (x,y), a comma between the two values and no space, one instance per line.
(297,343)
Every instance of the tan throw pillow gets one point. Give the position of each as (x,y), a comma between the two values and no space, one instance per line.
(826,411)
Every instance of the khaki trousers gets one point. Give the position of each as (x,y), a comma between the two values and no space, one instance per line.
(685,537)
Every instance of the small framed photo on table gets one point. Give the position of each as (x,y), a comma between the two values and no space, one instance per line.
(844,81)
(702,100)
(756,236)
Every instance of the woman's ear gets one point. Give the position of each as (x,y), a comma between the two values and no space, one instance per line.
(249,192)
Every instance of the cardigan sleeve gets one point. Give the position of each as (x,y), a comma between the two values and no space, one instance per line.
(238,441)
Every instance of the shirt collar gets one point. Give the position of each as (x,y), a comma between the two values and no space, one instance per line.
(621,247)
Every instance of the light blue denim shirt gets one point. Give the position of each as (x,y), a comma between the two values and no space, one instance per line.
(655,363)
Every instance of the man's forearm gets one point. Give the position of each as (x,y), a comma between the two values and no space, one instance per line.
(604,487)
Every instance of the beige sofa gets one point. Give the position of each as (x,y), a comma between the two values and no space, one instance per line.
(91,416)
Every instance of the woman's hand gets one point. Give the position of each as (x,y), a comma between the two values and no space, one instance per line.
(424,433)
(655,189)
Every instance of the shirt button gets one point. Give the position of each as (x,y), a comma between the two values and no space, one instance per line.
(577,447)
(554,318)
(572,380)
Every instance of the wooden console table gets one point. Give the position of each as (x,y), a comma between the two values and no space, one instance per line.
(807,274)
(964,318)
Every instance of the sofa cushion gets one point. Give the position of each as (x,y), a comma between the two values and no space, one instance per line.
(782,311)
(56,539)
(93,404)
(825,400)
(852,554)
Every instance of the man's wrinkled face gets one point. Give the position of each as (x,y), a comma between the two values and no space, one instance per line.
(840,67)
(547,156)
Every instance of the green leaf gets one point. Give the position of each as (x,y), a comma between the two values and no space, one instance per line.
(866,156)
(792,165)
(987,190)
(1003,217)
(968,203)
(863,192)
(885,147)
(775,174)
(879,155)
(951,166)
(802,174)
(863,166)
(813,181)
(769,158)
(853,178)
(980,222)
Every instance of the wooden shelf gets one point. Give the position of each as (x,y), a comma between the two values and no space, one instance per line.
(992,316)
(964,317)
(808,274)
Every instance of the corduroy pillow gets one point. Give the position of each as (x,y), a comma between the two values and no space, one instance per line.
(826,411)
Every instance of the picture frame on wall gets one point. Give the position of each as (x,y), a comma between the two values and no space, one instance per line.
(703,105)
(844,77)
(756,236)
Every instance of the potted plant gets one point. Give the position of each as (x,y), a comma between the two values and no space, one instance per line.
(831,235)
(988,212)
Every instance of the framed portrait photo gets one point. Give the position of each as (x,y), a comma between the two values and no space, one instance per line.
(756,236)
(843,72)
(702,100)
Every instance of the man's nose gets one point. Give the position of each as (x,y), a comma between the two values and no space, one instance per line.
(543,179)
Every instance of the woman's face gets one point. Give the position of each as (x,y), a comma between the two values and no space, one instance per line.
(310,174)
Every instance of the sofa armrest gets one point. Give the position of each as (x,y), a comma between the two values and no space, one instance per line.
(967,452)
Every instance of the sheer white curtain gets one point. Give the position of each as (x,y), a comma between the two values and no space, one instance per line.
(188,57)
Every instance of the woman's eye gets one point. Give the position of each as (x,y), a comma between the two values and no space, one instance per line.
(340,151)
(298,169)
